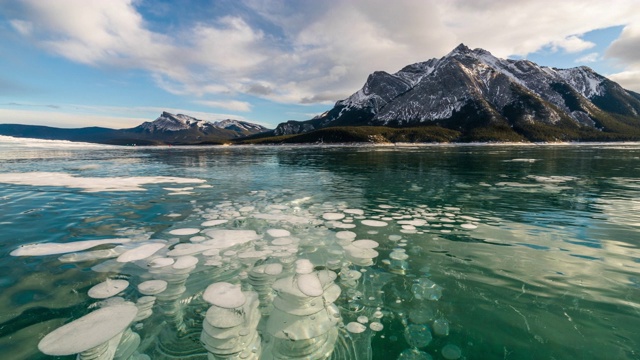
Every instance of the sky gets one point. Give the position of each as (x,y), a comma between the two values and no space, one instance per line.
(118,63)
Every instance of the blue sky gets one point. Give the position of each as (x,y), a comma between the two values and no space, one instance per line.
(117,63)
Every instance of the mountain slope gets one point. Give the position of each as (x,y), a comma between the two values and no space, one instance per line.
(166,129)
(473,92)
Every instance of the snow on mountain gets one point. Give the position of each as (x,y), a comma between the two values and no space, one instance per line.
(467,82)
(171,122)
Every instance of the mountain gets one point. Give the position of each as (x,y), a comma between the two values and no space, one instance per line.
(485,98)
(166,129)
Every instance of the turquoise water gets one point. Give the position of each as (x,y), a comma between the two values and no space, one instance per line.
(524,252)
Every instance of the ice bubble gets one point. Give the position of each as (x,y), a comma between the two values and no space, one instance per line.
(304,266)
(277,233)
(197,239)
(185,231)
(378,314)
(376,326)
(346,235)
(273,269)
(414,354)
(214,222)
(417,335)
(224,295)
(451,352)
(374,223)
(91,255)
(356,327)
(362,319)
(468,226)
(424,288)
(309,284)
(89,331)
(421,315)
(441,327)
(108,288)
(62,248)
(161,262)
(354,211)
(282,241)
(333,216)
(223,239)
(395,237)
(365,244)
(398,255)
(245,209)
(185,262)
(141,252)
(152,287)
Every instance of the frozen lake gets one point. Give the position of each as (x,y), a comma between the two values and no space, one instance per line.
(410,252)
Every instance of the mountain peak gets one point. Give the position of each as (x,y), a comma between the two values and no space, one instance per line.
(460,49)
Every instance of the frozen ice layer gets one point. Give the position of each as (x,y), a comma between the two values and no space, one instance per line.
(304,266)
(108,288)
(90,184)
(451,352)
(276,233)
(309,284)
(62,248)
(140,252)
(222,239)
(185,262)
(185,231)
(224,295)
(374,223)
(356,327)
(333,216)
(152,287)
(211,223)
(89,331)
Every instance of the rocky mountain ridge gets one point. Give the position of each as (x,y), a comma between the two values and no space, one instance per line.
(474,92)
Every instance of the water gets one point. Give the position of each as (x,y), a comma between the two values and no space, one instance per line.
(488,252)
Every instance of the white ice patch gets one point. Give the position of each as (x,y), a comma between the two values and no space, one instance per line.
(374,223)
(141,252)
(62,248)
(90,184)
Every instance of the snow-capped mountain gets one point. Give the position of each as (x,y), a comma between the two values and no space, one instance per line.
(180,122)
(467,90)
(166,129)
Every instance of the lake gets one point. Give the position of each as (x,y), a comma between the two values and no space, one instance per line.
(416,252)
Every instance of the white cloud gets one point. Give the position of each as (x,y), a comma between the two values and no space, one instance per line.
(572,44)
(228,105)
(319,51)
(589,58)
(626,51)
(67,119)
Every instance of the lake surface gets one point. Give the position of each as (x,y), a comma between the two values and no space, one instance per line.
(483,252)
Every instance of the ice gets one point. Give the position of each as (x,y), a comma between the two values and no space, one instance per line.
(441,327)
(365,244)
(141,252)
(451,352)
(89,331)
(362,319)
(161,262)
(185,231)
(346,235)
(223,239)
(108,288)
(374,223)
(376,326)
(224,295)
(354,211)
(333,216)
(214,222)
(276,233)
(309,284)
(152,287)
(418,335)
(304,266)
(61,248)
(90,184)
(468,226)
(414,354)
(273,269)
(356,327)
(185,262)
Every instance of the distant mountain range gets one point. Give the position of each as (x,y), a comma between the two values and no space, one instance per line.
(467,95)
(166,129)
(471,95)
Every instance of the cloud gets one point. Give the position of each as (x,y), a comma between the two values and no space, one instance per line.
(589,58)
(228,105)
(626,52)
(66,119)
(310,51)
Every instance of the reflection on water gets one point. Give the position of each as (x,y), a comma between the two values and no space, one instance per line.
(481,252)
